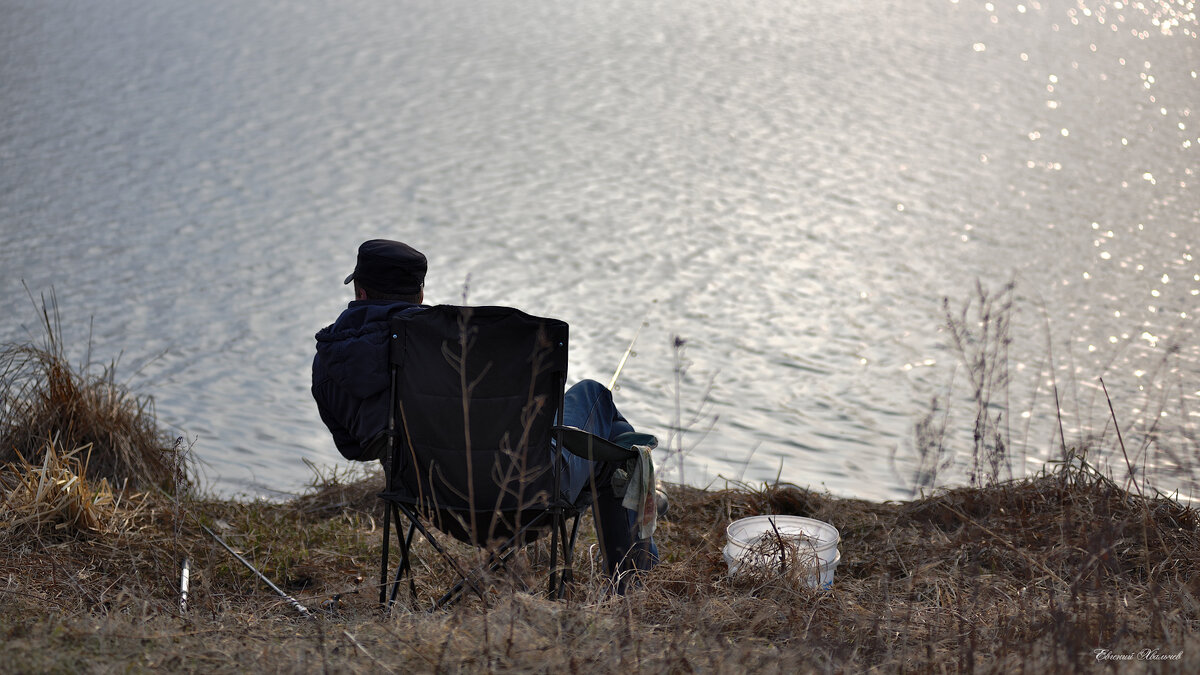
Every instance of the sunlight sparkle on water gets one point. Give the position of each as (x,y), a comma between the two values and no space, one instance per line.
(548,143)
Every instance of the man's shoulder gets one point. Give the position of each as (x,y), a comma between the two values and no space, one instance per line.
(379,308)
(350,349)
(366,316)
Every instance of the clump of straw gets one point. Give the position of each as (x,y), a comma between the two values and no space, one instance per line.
(778,561)
(42,396)
(56,496)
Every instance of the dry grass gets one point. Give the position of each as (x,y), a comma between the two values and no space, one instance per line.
(1031,575)
(57,496)
(43,398)
(1038,572)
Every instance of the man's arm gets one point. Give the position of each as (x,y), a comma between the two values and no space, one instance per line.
(338,412)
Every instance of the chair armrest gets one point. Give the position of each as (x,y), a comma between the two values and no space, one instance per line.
(591,447)
(632,438)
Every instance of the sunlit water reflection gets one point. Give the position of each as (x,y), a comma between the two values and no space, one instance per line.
(791,188)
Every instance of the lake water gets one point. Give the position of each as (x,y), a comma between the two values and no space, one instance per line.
(790,187)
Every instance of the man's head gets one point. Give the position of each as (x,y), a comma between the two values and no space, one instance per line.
(389,270)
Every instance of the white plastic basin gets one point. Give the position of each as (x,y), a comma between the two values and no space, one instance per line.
(814,541)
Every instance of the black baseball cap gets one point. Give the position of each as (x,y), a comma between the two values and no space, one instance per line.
(387,266)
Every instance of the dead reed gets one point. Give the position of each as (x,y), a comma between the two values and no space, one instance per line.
(43,397)
(1035,574)
(1065,571)
(57,497)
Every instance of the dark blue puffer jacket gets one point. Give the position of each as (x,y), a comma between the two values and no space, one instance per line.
(350,376)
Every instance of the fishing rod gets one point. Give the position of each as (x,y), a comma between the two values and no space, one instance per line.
(184,577)
(294,602)
(183,585)
(628,352)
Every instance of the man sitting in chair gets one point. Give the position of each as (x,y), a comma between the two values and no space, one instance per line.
(350,385)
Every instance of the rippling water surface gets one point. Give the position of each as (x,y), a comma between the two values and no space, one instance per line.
(790,187)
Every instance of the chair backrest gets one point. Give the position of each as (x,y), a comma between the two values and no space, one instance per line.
(475,394)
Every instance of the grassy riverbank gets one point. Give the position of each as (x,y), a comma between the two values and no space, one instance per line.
(1030,575)
(1066,571)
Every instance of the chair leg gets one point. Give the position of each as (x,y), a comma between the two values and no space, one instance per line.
(558,585)
(405,566)
(601,530)
(412,585)
(575,529)
(496,559)
(387,539)
(556,523)
(391,516)
(557,592)
(466,578)
(450,595)
(569,552)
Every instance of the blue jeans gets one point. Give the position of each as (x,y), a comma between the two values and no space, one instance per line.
(588,405)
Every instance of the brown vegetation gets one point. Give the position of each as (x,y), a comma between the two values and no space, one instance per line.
(1063,572)
(45,402)
(56,496)
(1030,575)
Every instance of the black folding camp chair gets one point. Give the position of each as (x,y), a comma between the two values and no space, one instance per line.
(477,397)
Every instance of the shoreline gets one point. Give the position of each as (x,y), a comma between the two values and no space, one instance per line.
(1035,573)
(1054,572)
